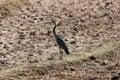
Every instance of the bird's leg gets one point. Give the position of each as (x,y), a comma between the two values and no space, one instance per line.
(61,54)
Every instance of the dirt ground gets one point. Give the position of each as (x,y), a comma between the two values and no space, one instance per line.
(26,33)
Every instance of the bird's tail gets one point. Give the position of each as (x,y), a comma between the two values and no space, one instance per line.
(67,51)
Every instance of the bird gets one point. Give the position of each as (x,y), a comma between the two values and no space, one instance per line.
(60,42)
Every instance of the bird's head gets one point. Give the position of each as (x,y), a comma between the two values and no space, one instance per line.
(57,23)
(53,22)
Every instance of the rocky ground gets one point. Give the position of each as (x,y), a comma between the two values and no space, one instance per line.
(26,33)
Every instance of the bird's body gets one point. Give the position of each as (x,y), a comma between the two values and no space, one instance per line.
(60,42)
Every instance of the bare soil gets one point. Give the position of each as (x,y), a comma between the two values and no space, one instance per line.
(26,35)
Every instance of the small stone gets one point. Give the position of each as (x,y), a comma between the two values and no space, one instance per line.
(72,69)
(72,42)
(30,55)
(92,58)
(51,57)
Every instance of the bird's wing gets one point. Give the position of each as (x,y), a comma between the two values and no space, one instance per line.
(61,44)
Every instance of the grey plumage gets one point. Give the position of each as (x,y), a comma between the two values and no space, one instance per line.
(59,41)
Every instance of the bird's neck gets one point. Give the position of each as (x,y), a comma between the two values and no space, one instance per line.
(54,32)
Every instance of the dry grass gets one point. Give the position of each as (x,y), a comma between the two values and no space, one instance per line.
(12,5)
(44,67)
(25,39)
(14,2)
